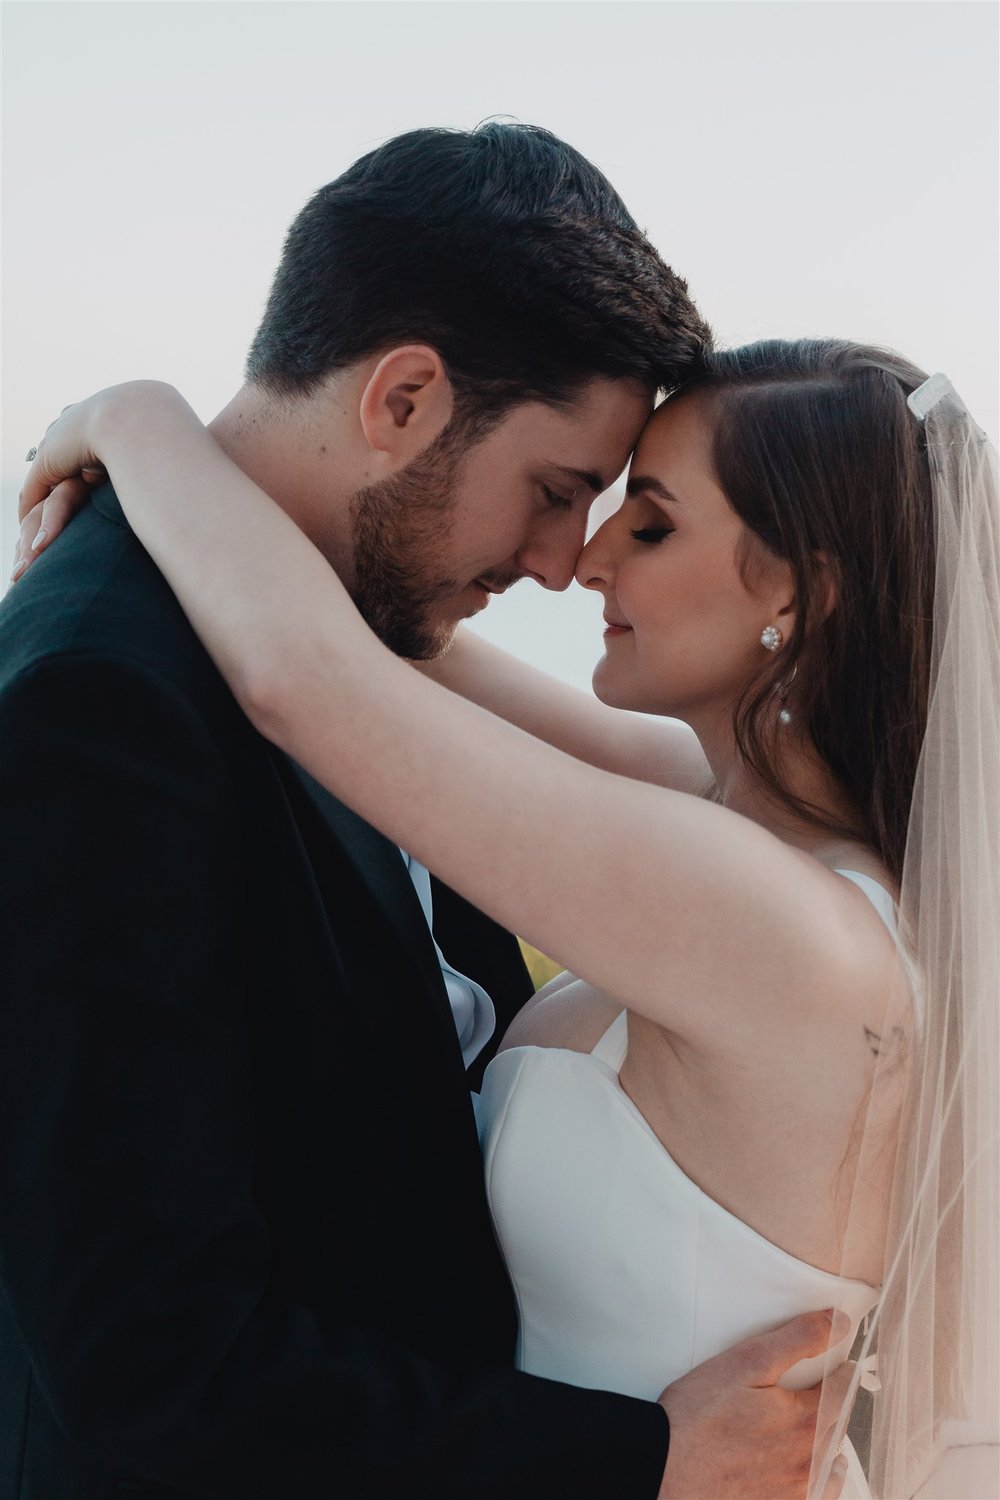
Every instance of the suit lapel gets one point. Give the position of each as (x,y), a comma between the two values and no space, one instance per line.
(379,869)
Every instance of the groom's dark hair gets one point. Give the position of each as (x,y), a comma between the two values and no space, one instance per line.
(501,247)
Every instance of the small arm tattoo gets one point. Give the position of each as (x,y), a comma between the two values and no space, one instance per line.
(893,1043)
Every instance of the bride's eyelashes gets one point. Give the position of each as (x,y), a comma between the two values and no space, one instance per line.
(652,534)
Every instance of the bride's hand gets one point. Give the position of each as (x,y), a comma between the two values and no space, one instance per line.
(65,466)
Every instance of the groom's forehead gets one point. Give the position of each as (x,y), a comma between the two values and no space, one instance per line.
(584,442)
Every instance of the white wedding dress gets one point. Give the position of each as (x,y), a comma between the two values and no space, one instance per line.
(626,1274)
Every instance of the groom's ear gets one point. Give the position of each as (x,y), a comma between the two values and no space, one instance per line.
(406,403)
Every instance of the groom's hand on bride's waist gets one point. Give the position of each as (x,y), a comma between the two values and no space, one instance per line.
(735,1434)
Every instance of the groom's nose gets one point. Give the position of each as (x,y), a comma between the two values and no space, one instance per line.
(552,547)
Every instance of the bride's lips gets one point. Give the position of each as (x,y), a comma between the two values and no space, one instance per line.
(614,627)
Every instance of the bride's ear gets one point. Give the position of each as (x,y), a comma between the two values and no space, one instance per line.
(824,596)
(406,403)
(827,585)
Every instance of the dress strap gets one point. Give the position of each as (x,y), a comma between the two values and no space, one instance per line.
(877,895)
(613,1045)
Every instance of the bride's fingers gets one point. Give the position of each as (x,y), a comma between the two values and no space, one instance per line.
(37,483)
(59,508)
(44,521)
(30,526)
(60,456)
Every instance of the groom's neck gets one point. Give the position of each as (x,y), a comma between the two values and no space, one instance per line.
(297,453)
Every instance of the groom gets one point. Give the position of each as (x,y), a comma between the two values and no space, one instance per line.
(245,1252)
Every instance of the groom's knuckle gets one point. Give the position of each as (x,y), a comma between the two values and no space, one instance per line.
(811,1328)
(749,1355)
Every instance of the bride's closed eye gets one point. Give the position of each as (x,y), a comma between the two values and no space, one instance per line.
(652,534)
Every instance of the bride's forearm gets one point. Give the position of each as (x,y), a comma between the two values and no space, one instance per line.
(513,690)
(226,549)
(535,701)
(661,751)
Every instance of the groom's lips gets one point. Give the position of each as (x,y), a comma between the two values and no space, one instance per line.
(481,592)
(488,588)
(499,585)
(483,588)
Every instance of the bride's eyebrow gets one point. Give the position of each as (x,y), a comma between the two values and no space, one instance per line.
(640,484)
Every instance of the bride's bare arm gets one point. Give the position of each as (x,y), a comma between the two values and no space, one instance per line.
(662,751)
(652,895)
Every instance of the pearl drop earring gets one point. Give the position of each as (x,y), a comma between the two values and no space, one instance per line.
(784,716)
(771,637)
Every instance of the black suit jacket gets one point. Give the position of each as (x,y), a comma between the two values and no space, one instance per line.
(245,1252)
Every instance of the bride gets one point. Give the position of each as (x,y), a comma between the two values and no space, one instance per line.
(750,1074)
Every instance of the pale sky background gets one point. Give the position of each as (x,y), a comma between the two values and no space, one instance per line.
(811,168)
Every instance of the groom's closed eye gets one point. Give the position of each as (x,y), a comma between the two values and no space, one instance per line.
(589,478)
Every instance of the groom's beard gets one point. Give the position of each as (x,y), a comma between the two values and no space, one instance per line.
(401,527)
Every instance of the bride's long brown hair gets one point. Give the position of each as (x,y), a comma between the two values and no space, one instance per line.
(818,454)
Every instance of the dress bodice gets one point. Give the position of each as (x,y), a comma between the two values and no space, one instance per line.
(626,1273)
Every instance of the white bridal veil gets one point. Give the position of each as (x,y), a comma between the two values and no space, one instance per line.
(933,1429)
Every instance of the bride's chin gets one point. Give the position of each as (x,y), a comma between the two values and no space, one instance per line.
(613,694)
(614,690)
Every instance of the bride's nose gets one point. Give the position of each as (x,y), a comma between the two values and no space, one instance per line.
(595,565)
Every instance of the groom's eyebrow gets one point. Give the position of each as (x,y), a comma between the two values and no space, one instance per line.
(641,484)
(589,477)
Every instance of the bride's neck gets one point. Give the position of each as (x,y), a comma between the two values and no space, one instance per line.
(802,773)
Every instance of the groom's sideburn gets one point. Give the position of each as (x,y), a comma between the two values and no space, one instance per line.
(245,1250)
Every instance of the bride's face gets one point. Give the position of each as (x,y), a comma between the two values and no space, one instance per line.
(687,592)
